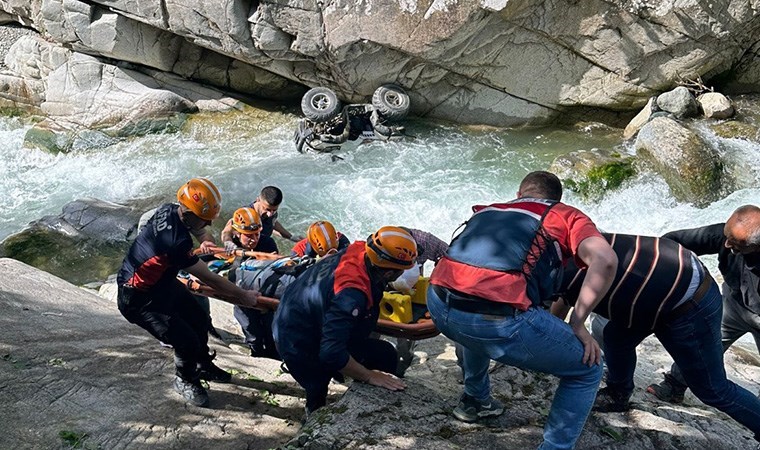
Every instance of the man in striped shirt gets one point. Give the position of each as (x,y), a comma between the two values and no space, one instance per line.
(661,288)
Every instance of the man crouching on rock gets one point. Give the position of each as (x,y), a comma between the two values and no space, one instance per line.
(151,296)
(325,317)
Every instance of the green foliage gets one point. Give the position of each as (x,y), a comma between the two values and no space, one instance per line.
(269,398)
(612,432)
(74,439)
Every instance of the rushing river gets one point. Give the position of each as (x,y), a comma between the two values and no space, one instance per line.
(427,182)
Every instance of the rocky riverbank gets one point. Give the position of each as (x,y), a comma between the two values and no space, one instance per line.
(86,378)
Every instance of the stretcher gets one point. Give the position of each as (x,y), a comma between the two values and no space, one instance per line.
(421,327)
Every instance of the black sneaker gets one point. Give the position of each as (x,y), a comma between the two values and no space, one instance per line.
(210,372)
(469,409)
(193,392)
(610,400)
(667,391)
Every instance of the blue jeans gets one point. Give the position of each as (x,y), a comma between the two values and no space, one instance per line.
(694,341)
(533,340)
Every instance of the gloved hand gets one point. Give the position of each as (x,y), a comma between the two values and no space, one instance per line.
(229,246)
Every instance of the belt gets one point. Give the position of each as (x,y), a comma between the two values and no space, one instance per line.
(699,294)
(472,304)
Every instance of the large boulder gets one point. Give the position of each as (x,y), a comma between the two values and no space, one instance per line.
(85,243)
(678,102)
(494,62)
(591,173)
(692,168)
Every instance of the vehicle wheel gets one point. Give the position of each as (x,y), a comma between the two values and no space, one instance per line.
(391,101)
(320,104)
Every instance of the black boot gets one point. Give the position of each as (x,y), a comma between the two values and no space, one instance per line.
(611,400)
(210,372)
(669,390)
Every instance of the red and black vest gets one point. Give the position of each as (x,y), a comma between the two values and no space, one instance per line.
(509,238)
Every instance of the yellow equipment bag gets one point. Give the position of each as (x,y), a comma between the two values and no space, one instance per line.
(420,291)
(396,307)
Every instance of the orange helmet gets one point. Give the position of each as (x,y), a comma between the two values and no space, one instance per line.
(246,221)
(392,248)
(322,237)
(200,196)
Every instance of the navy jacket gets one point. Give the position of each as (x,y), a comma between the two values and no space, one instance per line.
(332,304)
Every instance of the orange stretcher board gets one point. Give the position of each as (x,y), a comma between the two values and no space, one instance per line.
(422,329)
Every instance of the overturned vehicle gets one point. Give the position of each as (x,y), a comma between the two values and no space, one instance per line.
(328,124)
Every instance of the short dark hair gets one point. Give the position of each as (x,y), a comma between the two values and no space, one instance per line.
(271,195)
(541,184)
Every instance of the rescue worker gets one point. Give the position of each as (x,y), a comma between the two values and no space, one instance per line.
(321,240)
(661,288)
(325,317)
(255,324)
(246,229)
(266,205)
(150,296)
(487,294)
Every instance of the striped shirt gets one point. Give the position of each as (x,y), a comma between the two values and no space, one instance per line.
(654,275)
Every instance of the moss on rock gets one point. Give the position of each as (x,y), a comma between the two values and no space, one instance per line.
(591,174)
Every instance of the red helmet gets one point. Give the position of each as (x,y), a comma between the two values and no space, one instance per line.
(322,237)
(392,248)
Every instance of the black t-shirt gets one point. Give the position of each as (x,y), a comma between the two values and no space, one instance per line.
(161,250)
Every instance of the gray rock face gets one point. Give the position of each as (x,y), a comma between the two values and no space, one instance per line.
(691,168)
(492,61)
(86,242)
(73,369)
(89,102)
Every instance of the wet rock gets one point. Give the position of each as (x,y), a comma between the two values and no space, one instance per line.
(641,118)
(594,172)
(715,105)
(85,243)
(678,102)
(734,129)
(692,169)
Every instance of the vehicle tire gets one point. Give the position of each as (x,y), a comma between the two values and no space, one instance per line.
(320,104)
(391,101)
